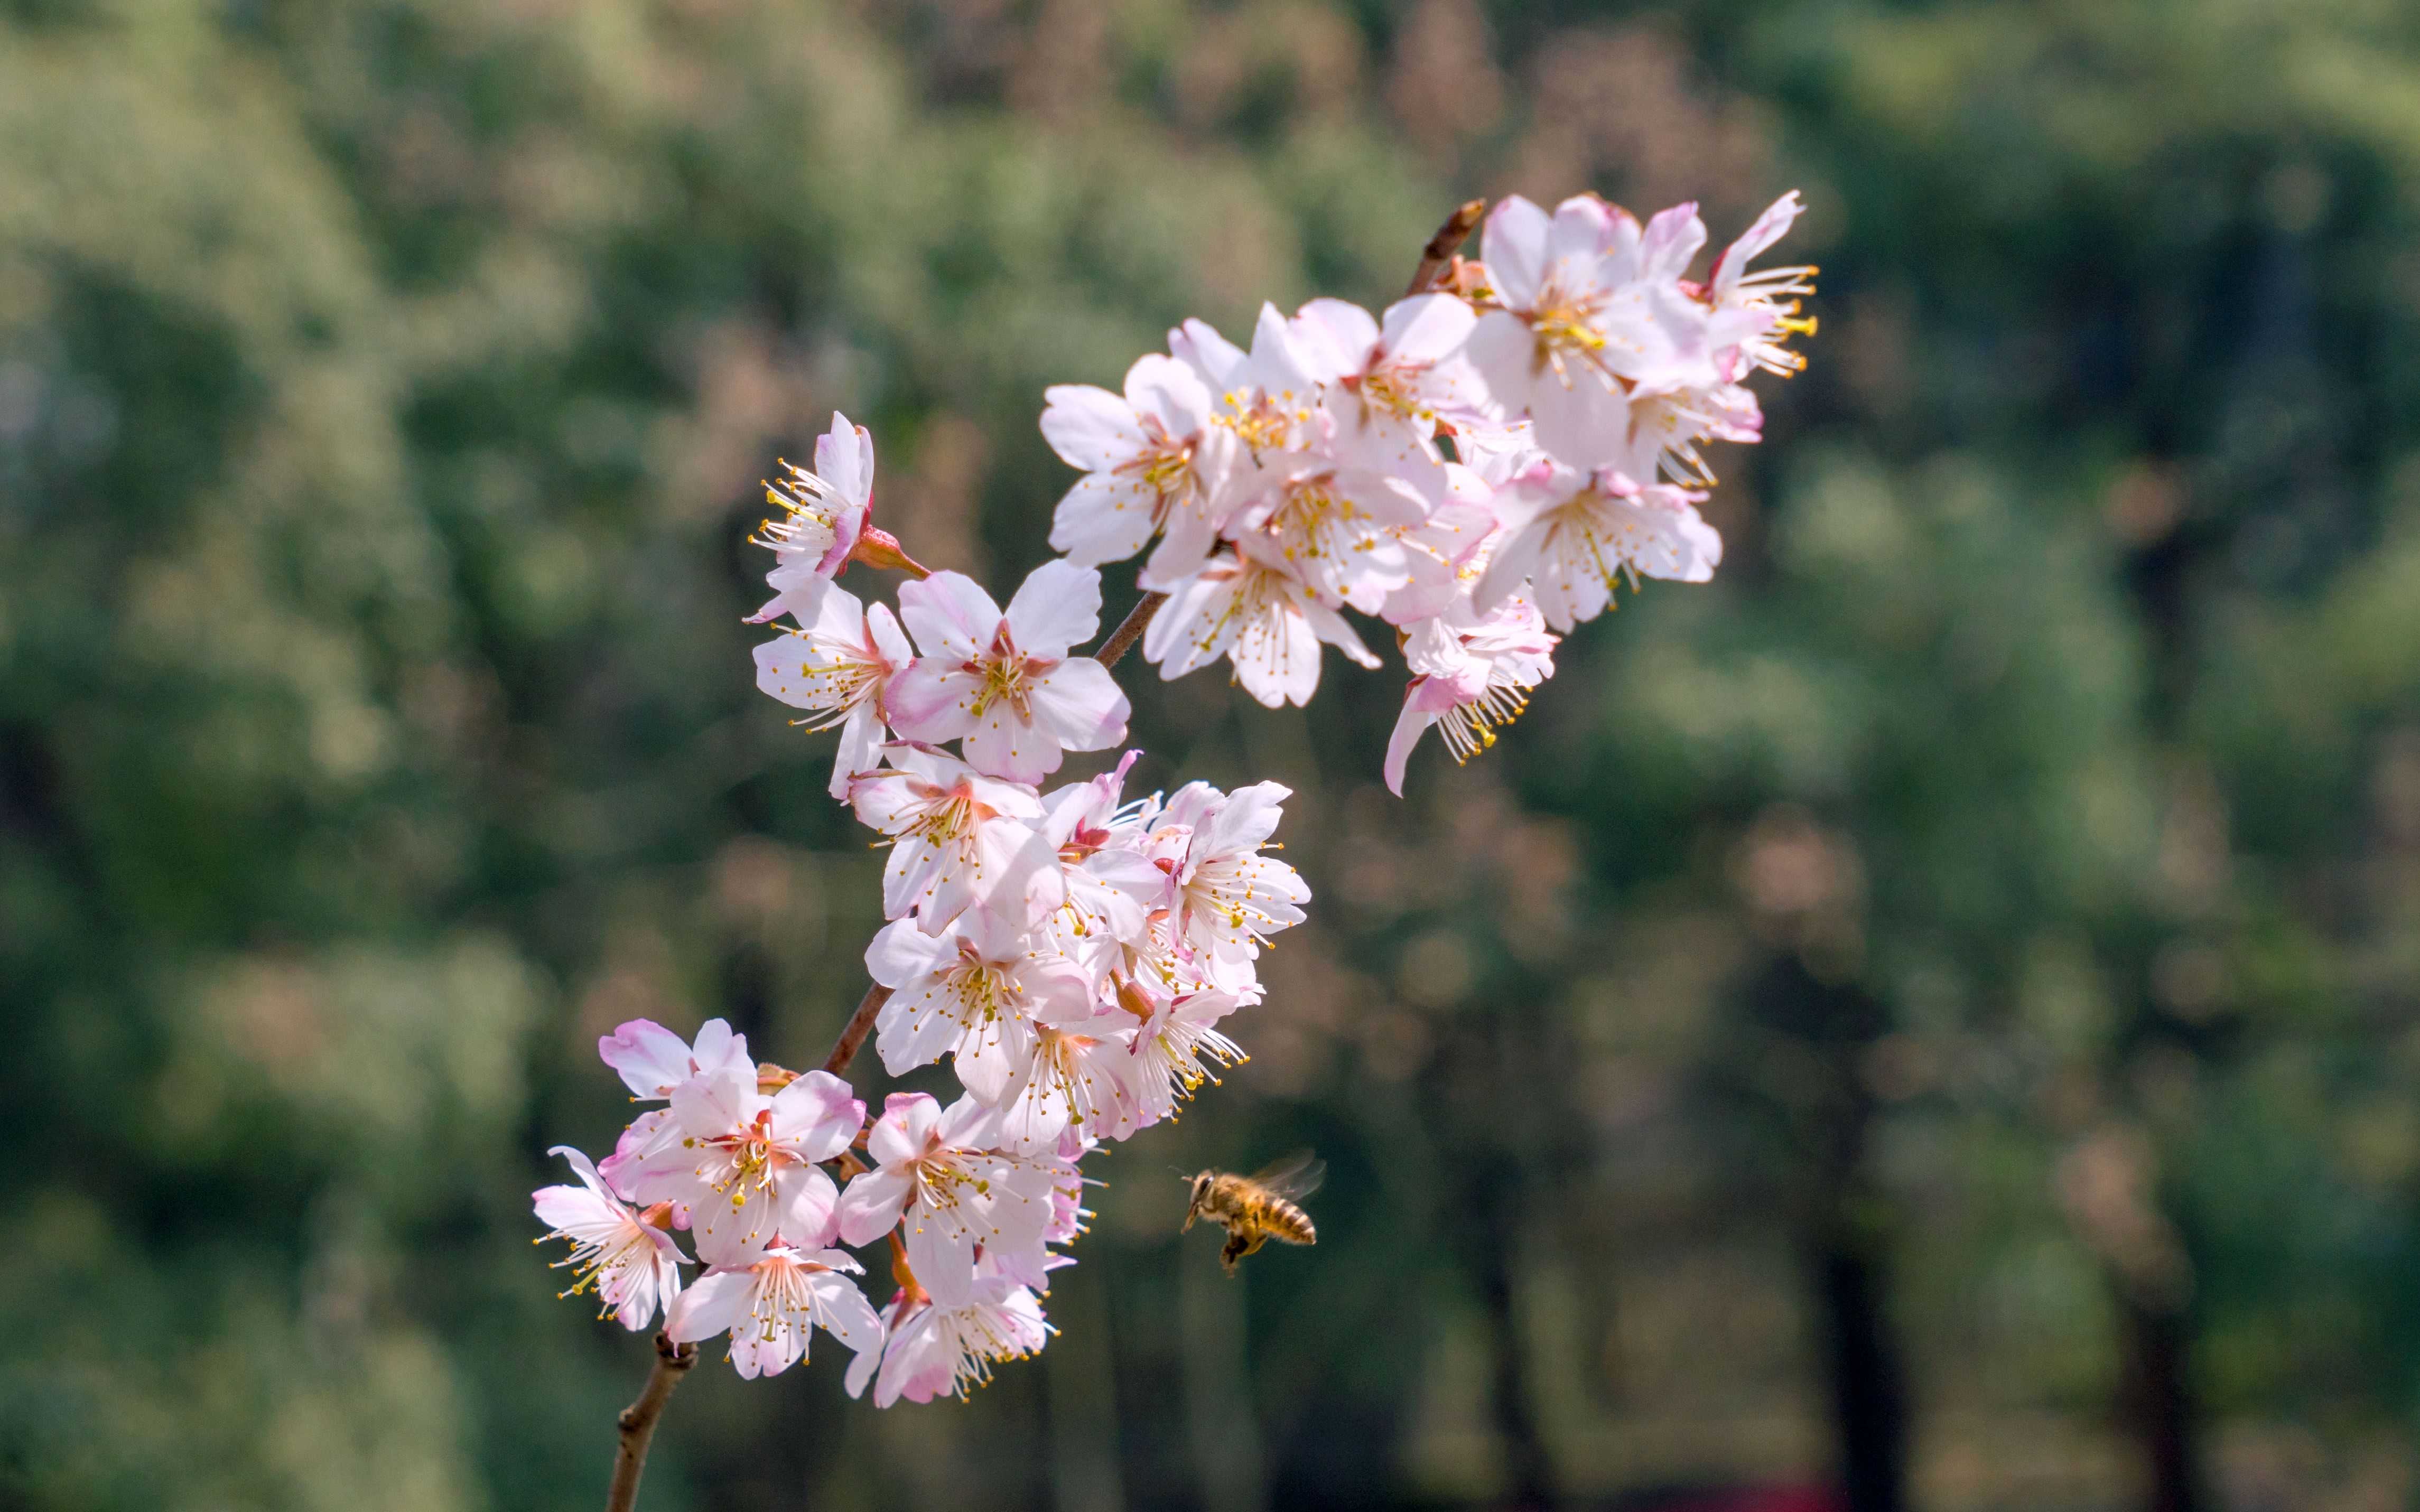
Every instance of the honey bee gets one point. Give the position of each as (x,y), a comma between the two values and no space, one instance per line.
(1256,1209)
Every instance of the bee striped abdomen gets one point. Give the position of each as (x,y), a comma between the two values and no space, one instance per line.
(1285,1221)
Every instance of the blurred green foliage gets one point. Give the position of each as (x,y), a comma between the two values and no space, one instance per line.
(1997,899)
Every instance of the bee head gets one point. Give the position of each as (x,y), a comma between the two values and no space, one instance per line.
(1201,1190)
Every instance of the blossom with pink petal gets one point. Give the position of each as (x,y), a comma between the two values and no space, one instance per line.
(632,1264)
(936,1348)
(1076,1078)
(975,992)
(1666,428)
(1338,531)
(1442,555)
(1586,306)
(959,838)
(1389,383)
(652,1059)
(823,513)
(1112,886)
(839,665)
(1005,682)
(1230,898)
(1176,1035)
(745,1163)
(774,1306)
(1267,397)
(1154,463)
(1253,609)
(1573,536)
(1068,1210)
(1470,673)
(938,1173)
(1749,317)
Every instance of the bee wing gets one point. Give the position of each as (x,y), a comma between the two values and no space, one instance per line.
(1297,1175)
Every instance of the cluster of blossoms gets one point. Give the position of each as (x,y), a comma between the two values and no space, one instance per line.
(1479,467)
(1575,372)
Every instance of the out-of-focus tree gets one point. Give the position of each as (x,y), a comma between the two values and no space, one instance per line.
(1945,990)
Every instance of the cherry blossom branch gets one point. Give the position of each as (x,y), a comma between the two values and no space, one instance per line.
(638,1420)
(1435,258)
(1263,582)
(1438,253)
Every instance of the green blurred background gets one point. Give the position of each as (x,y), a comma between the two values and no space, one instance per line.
(1929,1022)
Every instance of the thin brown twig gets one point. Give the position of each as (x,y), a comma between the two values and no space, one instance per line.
(861,1024)
(1438,253)
(638,1420)
(1129,629)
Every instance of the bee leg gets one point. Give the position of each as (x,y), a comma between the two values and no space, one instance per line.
(1235,1249)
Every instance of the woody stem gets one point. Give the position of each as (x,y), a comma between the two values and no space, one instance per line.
(861,1024)
(1438,253)
(638,1420)
(1129,629)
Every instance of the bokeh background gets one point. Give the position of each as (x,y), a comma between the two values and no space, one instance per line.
(1929,1023)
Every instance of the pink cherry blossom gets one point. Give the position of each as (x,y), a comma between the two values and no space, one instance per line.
(1749,317)
(822,515)
(838,667)
(1115,880)
(633,1265)
(1339,530)
(1389,384)
(1666,428)
(1470,670)
(1573,536)
(1266,398)
(959,838)
(1441,555)
(771,1307)
(1005,682)
(744,1165)
(1068,1210)
(1587,305)
(1112,886)
(1175,1037)
(1153,462)
(938,1173)
(975,992)
(1230,898)
(1076,1078)
(652,1059)
(1253,609)
(935,1349)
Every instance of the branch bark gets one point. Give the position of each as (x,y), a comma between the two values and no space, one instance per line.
(861,1024)
(1129,629)
(1438,253)
(638,1420)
